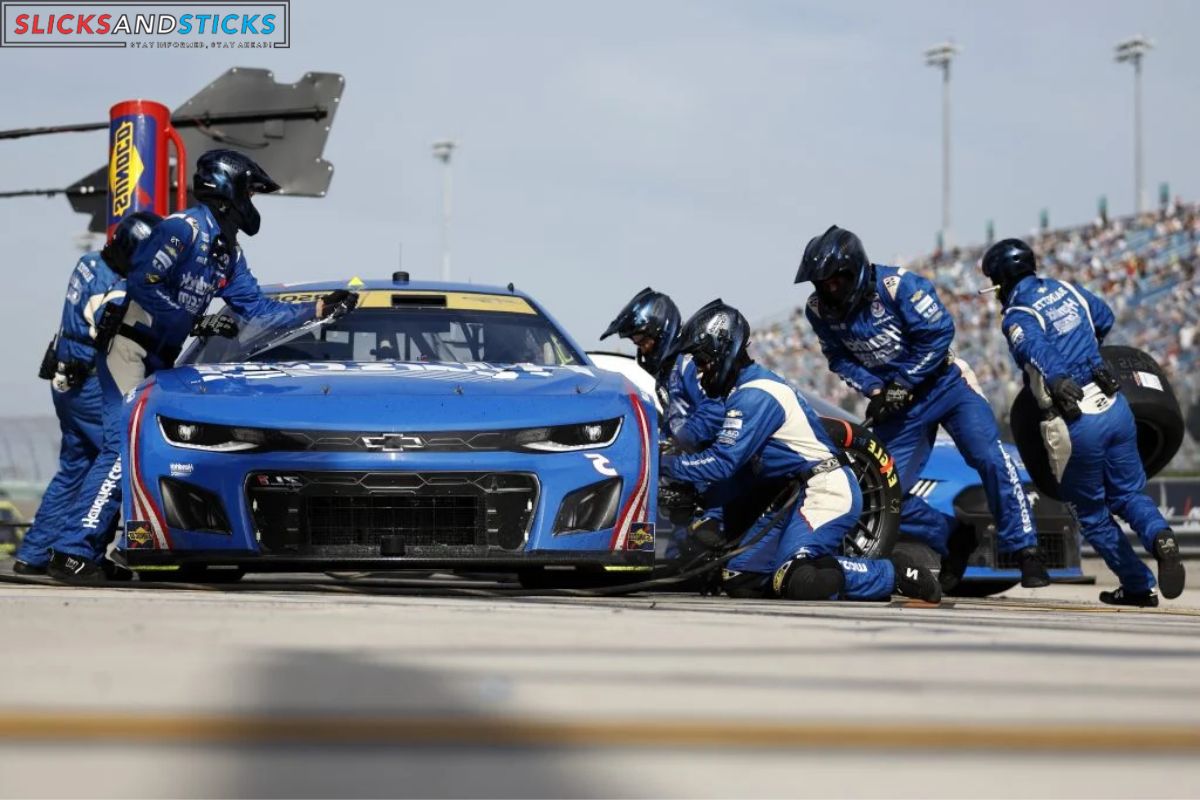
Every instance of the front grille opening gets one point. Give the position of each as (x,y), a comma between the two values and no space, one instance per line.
(419,520)
(392,513)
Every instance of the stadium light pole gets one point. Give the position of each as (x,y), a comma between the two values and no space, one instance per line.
(940,56)
(442,151)
(1131,51)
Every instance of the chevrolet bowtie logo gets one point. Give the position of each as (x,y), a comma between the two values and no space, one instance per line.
(393,442)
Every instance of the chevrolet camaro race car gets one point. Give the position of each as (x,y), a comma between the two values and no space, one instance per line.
(434,426)
(947,483)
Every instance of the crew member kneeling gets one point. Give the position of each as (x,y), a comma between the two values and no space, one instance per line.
(1054,330)
(766,421)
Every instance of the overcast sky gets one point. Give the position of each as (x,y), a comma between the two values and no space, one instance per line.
(693,146)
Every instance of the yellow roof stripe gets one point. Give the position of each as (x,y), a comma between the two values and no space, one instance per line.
(455,301)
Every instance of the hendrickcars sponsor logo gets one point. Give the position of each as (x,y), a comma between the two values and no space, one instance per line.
(200,24)
(102,497)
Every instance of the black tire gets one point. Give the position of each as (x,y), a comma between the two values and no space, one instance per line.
(878,527)
(1160,426)
(1159,418)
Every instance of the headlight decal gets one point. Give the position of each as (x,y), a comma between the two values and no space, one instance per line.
(635,507)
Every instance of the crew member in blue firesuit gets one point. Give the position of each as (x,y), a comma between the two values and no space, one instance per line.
(886,333)
(1054,330)
(690,419)
(651,320)
(770,427)
(191,257)
(70,367)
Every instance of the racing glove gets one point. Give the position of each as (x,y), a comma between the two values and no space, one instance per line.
(888,403)
(678,499)
(215,325)
(707,532)
(109,323)
(1106,380)
(337,303)
(1066,394)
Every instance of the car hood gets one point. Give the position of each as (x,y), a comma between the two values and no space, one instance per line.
(351,395)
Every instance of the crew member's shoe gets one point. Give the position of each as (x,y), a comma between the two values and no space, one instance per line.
(1033,571)
(915,581)
(961,544)
(1170,568)
(20,567)
(74,570)
(1120,597)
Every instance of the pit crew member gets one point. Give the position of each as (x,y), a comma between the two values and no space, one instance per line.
(70,366)
(1054,330)
(769,425)
(651,320)
(191,257)
(886,333)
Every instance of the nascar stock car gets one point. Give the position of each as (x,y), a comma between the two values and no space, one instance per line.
(947,483)
(435,425)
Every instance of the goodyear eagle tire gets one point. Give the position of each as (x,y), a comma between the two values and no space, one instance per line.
(879,525)
(1153,402)
(1160,426)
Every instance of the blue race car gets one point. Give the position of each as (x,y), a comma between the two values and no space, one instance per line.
(434,426)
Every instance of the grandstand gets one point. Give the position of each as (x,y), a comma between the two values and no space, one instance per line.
(1144,266)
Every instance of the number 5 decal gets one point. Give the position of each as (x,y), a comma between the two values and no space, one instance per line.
(601,464)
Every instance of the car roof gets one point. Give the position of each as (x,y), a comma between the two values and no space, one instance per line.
(366,285)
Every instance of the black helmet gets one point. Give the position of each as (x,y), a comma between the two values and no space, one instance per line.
(132,230)
(651,314)
(225,180)
(1006,262)
(717,337)
(837,253)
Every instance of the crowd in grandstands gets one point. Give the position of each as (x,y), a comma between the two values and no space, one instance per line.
(1144,266)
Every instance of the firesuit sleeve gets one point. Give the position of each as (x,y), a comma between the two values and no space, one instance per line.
(928,330)
(696,421)
(1028,343)
(840,359)
(1101,315)
(244,296)
(751,418)
(154,259)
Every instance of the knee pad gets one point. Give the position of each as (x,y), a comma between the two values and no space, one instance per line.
(810,579)
(744,585)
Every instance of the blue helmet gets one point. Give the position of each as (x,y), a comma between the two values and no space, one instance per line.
(717,336)
(653,315)
(837,265)
(225,180)
(132,230)
(1006,262)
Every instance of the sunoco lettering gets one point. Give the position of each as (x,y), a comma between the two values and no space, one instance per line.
(122,191)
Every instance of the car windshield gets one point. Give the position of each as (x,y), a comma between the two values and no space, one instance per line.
(392,327)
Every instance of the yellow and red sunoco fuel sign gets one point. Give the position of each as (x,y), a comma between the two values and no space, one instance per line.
(138,176)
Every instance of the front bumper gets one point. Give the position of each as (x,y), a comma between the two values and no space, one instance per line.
(302,511)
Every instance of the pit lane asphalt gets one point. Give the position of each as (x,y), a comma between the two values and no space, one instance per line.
(302,689)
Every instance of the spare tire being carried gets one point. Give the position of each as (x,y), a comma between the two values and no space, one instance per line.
(1144,384)
(878,526)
